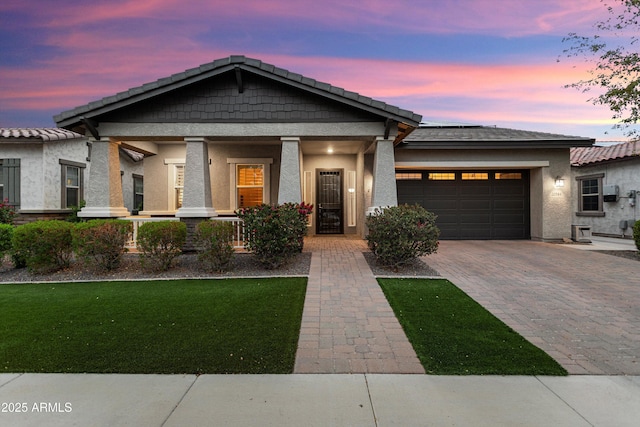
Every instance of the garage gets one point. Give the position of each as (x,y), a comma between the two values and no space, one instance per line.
(471,204)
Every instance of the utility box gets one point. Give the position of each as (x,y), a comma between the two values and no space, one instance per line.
(611,193)
(581,233)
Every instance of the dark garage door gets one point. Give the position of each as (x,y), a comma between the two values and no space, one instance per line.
(471,204)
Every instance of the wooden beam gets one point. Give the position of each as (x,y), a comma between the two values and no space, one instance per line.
(91,126)
(238,71)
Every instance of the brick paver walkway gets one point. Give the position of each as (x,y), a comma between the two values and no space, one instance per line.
(347,323)
(581,307)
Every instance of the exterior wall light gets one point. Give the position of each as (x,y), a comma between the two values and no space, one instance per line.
(559,182)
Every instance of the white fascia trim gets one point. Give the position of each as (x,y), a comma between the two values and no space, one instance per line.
(450,165)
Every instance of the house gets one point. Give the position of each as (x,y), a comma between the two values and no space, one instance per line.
(607,186)
(238,132)
(44,171)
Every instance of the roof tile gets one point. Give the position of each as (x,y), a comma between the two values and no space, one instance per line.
(581,156)
(44,134)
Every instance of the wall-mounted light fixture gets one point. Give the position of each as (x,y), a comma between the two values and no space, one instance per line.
(559,182)
(330,150)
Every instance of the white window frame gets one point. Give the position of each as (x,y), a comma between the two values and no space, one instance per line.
(233,177)
(173,165)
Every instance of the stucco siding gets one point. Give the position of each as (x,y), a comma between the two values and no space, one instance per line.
(73,151)
(346,162)
(626,175)
(550,206)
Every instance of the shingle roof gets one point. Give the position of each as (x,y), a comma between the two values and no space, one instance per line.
(581,156)
(44,134)
(452,136)
(226,64)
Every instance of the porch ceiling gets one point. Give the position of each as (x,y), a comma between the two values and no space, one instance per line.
(337,147)
(309,147)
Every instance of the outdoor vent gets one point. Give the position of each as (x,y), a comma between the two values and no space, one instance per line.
(611,193)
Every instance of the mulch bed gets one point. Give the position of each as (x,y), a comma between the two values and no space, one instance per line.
(187,266)
(417,268)
(634,255)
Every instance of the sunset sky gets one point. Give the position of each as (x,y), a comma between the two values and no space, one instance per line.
(488,62)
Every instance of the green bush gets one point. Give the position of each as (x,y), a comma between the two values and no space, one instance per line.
(400,234)
(636,234)
(101,242)
(274,234)
(6,232)
(43,246)
(214,241)
(160,243)
(7,212)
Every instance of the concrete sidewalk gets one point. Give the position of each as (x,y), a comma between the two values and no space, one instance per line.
(317,400)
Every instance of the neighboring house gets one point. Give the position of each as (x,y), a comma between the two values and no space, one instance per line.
(607,188)
(45,171)
(238,132)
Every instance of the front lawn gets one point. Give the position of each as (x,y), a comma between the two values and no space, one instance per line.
(454,335)
(165,327)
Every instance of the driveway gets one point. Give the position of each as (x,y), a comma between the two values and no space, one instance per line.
(581,307)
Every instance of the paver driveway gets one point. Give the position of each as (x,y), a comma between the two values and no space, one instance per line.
(581,307)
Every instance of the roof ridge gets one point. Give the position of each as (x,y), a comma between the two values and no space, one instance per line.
(240,61)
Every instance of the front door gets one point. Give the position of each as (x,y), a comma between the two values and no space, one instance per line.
(329,201)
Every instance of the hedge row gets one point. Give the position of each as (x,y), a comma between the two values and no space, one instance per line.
(273,233)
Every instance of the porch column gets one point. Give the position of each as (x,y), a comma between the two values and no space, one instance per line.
(383,192)
(290,187)
(196,197)
(104,191)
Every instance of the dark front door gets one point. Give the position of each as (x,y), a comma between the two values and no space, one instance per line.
(329,201)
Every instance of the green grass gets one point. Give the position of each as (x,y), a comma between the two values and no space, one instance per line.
(454,335)
(168,327)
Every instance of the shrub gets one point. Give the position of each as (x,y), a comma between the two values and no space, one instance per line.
(274,234)
(101,242)
(160,243)
(43,246)
(636,234)
(6,232)
(75,210)
(400,234)
(7,212)
(214,242)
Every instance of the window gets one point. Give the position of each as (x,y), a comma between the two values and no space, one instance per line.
(175,183)
(178,186)
(475,176)
(508,175)
(590,198)
(408,176)
(72,183)
(442,176)
(138,192)
(250,185)
(250,181)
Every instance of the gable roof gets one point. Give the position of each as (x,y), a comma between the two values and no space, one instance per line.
(42,134)
(475,136)
(108,104)
(581,156)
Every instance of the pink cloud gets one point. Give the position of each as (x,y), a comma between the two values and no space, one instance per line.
(505,18)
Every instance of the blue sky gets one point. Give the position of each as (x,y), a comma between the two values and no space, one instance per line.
(489,62)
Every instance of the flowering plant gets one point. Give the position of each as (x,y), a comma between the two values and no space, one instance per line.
(7,212)
(276,233)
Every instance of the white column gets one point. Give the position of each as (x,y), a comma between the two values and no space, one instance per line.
(290,186)
(196,197)
(103,194)
(383,192)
